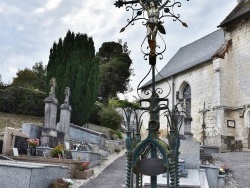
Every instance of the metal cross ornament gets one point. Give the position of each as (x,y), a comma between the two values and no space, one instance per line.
(151,12)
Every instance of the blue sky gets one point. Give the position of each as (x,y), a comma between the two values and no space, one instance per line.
(29,28)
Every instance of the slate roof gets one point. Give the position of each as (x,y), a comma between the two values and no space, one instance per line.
(240,10)
(193,54)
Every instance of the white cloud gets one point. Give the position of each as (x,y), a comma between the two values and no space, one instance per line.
(50,5)
(29,28)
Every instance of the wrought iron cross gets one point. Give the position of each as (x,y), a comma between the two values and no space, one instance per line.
(204,111)
(120,3)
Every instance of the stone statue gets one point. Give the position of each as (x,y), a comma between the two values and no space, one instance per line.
(67,94)
(153,24)
(52,87)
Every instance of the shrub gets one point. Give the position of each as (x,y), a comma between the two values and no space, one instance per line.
(59,183)
(19,100)
(95,118)
(58,150)
(110,118)
(119,134)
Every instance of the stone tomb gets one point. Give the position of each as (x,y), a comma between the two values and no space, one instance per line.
(30,175)
(14,138)
(190,153)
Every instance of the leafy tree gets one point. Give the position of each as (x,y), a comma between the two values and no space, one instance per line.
(1,81)
(32,79)
(123,103)
(40,73)
(114,69)
(25,78)
(110,118)
(73,63)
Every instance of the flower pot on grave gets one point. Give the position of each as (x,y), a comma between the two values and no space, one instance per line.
(84,174)
(32,151)
(221,180)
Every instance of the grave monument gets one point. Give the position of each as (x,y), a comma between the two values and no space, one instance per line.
(63,125)
(49,133)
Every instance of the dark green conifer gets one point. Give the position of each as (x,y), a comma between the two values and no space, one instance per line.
(73,63)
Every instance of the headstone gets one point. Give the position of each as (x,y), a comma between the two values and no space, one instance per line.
(1,146)
(49,133)
(51,104)
(9,139)
(21,144)
(33,131)
(63,125)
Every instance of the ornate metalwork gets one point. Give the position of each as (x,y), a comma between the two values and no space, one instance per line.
(153,152)
(203,132)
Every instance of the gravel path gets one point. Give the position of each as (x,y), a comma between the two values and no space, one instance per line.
(100,170)
(111,176)
(239,166)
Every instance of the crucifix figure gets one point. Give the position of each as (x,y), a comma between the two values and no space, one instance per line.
(67,94)
(52,87)
(203,132)
(153,23)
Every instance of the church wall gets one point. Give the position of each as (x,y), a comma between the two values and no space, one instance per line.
(200,80)
(235,80)
(239,63)
(224,86)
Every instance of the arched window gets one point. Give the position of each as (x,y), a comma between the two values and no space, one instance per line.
(187,99)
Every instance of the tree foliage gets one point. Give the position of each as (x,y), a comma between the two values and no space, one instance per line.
(32,79)
(110,118)
(73,63)
(20,100)
(115,69)
(123,104)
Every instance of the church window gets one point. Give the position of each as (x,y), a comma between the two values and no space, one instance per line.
(187,99)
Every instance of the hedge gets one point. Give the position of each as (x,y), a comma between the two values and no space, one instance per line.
(19,100)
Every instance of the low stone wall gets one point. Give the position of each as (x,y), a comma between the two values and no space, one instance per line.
(108,132)
(85,135)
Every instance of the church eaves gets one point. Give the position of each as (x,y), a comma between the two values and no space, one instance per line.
(242,9)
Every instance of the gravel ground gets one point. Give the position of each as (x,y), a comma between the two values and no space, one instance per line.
(239,166)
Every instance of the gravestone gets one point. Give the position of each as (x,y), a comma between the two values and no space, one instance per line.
(190,153)
(21,144)
(63,125)
(9,140)
(49,133)
(1,146)
(33,131)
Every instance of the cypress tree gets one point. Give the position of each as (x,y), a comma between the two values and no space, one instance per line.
(73,63)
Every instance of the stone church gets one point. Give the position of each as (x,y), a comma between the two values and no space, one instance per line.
(212,75)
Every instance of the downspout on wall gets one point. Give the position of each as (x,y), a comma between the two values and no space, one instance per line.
(172,78)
